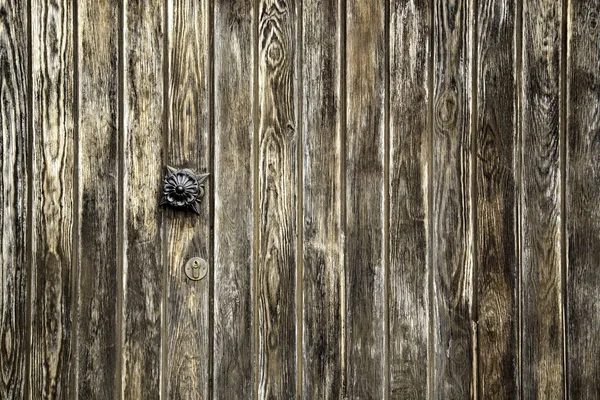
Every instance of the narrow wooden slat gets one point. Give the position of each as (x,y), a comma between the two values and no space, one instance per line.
(234,370)
(13,197)
(541,300)
(188,303)
(278,143)
(142,175)
(409,163)
(53,198)
(364,257)
(97,340)
(452,234)
(496,202)
(583,200)
(323,375)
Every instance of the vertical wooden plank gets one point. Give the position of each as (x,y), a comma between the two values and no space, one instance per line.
(323,376)
(496,201)
(187,309)
(278,143)
(142,176)
(53,198)
(13,196)
(234,369)
(452,234)
(97,338)
(364,257)
(409,182)
(583,199)
(542,312)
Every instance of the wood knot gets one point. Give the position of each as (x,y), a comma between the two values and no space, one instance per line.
(446,109)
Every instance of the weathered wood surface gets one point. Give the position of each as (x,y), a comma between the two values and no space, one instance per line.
(234,105)
(277,183)
(393,188)
(14,228)
(452,173)
(187,305)
(97,237)
(496,212)
(52,208)
(322,135)
(583,200)
(364,264)
(142,270)
(541,272)
(410,122)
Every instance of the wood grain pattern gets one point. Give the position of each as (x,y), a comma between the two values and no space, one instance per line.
(14,155)
(410,51)
(234,369)
(323,309)
(583,196)
(142,174)
(53,199)
(97,340)
(364,257)
(187,308)
(542,311)
(277,182)
(452,234)
(496,202)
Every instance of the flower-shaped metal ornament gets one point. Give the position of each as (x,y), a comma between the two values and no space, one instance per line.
(182,189)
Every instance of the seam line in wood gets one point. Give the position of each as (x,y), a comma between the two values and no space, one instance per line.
(122,131)
(29,210)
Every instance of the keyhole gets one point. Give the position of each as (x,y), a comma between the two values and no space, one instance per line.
(196,270)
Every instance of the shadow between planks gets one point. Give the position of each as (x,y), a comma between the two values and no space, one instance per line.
(401,203)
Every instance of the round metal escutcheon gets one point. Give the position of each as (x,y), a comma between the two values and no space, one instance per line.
(196,268)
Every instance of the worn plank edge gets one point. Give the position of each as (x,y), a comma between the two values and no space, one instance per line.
(299,204)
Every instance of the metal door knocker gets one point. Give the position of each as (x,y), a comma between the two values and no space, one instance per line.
(182,189)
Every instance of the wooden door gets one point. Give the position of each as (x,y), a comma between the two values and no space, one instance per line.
(403,199)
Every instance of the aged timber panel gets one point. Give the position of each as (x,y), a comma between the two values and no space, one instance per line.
(277,180)
(410,50)
(323,150)
(143,168)
(52,186)
(541,274)
(496,201)
(452,236)
(187,307)
(14,223)
(97,230)
(364,357)
(234,279)
(583,195)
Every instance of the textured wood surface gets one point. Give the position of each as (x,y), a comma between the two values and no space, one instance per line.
(541,273)
(401,201)
(52,187)
(364,259)
(187,308)
(14,223)
(142,270)
(583,200)
(452,235)
(97,239)
(409,182)
(234,279)
(277,182)
(496,201)
(322,135)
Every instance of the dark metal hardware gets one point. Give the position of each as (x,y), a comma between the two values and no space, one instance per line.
(182,189)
